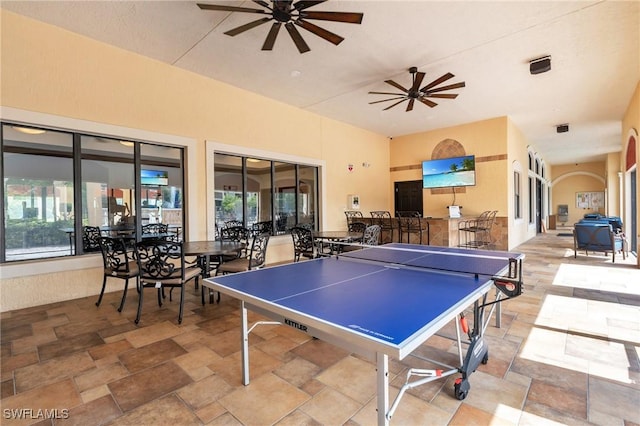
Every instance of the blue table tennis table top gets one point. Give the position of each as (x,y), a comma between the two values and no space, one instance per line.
(383,296)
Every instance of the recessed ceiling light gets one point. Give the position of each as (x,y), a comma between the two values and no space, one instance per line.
(29,130)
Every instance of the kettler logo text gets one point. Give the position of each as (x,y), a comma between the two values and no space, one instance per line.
(294,324)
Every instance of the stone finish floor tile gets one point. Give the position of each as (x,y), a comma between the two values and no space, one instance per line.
(567,353)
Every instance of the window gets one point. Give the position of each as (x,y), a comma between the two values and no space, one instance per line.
(108,182)
(56,183)
(531,200)
(38,203)
(517,206)
(161,185)
(252,190)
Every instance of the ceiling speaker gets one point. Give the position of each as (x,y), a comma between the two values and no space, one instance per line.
(540,65)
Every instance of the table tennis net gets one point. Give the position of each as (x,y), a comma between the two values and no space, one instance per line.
(505,265)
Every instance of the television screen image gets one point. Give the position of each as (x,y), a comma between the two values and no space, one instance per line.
(449,172)
(154,177)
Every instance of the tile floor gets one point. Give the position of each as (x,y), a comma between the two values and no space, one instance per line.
(568,352)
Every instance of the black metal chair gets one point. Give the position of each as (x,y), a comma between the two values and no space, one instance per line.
(355,228)
(353,216)
(384,219)
(254,260)
(262,228)
(371,235)
(91,238)
(237,233)
(162,264)
(156,230)
(410,222)
(302,243)
(118,262)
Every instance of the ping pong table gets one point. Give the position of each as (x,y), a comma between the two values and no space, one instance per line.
(381,302)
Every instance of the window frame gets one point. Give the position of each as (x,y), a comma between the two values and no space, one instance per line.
(213,147)
(79,128)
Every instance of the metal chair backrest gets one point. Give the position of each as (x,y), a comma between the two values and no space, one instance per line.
(302,242)
(258,252)
(371,235)
(155,228)
(234,233)
(357,227)
(353,216)
(262,227)
(91,238)
(160,260)
(115,256)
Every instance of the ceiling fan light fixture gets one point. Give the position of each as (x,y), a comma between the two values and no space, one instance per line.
(421,94)
(291,14)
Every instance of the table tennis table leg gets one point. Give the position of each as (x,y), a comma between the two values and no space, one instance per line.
(245,345)
(382,364)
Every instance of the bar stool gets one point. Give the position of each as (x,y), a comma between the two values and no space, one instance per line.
(476,232)
(353,216)
(384,220)
(409,222)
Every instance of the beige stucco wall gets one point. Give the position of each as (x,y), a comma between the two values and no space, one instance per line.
(486,138)
(69,81)
(520,229)
(569,179)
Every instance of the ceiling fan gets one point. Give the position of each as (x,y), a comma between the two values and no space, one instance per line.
(290,13)
(421,94)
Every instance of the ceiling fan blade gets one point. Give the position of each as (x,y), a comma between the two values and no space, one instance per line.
(410,105)
(390,99)
(443,95)
(320,32)
(347,17)
(399,102)
(417,81)
(396,85)
(229,8)
(245,27)
(263,3)
(449,87)
(427,102)
(271,37)
(386,93)
(303,4)
(297,38)
(434,83)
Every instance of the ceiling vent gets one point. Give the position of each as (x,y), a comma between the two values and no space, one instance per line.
(562,128)
(540,65)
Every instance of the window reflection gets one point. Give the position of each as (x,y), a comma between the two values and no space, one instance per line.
(108,182)
(161,186)
(228,190)
(38,193)
(263,194)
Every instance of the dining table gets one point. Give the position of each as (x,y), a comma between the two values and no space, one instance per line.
(334,240)
(206,249)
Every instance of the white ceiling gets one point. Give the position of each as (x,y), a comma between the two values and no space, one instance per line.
(594,46)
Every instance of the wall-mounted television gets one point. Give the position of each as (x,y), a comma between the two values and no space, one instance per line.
(449,172)
(154,177)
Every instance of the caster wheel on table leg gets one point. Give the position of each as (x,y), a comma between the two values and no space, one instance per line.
(461,388)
